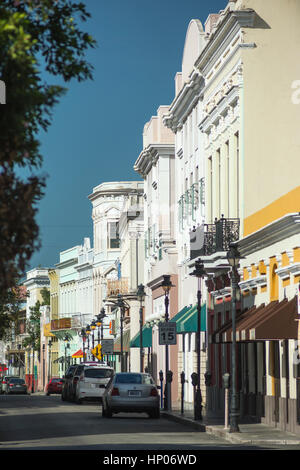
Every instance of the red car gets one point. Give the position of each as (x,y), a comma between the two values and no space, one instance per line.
(54,385)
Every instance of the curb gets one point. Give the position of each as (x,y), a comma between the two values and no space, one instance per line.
(225,434)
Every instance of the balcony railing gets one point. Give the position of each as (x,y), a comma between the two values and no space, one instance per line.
(119,286)
(212,238)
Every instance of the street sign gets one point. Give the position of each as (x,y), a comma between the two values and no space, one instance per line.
(167,333)
(107,346)
(97,351)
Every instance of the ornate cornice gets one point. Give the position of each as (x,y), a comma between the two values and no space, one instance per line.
(184,102)
(149,156)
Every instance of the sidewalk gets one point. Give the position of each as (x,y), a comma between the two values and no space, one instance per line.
(250,433)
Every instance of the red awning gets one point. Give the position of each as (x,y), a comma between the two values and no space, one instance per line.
(79,353)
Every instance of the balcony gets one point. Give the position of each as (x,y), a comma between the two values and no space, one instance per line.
(116,287)
(213,238)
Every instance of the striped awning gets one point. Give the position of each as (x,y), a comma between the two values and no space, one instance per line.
(188,321)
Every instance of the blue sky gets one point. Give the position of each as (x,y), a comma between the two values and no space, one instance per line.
(96,134)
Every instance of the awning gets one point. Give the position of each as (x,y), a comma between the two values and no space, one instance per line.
(188,322)
(280,323)
(78,353)
(147,338)
(275,321)
(126,342)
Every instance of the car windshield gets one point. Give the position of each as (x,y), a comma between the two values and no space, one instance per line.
(128,379)
(17,381)
(98,373)
(56,380)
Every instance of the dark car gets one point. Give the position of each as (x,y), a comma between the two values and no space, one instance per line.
(4,381)
(16,385)
(54,385)
(67,382)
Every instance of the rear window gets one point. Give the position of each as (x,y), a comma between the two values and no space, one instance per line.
(56,380)
(98,373)
(17,381)
(128,379)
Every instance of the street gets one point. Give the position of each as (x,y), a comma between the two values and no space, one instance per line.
(38,422)
(41,422)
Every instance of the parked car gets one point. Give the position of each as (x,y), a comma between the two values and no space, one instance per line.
(5,380)
(54,385)
(67,379)
(92,381)
(71,378)
(15,385)
(131,392)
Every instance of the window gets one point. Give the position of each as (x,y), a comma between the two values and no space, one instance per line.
(128,379)
(113,240)
(98,373)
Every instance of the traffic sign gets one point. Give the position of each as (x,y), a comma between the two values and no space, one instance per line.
(167,333)
(107,346)
(97,351)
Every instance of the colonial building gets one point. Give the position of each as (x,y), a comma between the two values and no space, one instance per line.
(157,167)
(108,201)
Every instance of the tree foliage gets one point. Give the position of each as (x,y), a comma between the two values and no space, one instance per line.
(33,328)
(36,36)
(11,307)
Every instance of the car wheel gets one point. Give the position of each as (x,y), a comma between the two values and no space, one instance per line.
(47,394)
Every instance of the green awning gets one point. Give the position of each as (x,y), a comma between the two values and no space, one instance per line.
(147,338)
(180,314)
(187,323)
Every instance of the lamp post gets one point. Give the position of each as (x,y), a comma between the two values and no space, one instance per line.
(166,285)
(49,361)
(93,327)
(141,296)
(66,340)
(99,323)
(83,335)
(121,305)
(88,332)
(233,257)
(199,273)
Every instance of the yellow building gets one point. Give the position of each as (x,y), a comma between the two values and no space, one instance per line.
(251,115)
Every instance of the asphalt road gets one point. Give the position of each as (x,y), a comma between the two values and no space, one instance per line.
(38,422)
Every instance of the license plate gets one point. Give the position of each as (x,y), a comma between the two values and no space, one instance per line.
(134,393)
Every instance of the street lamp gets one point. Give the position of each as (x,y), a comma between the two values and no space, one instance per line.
(88,332)
(93,327)
(166,285)
(49,362)
(121,305)
(199,273)
(99,323)
(233,257)
(67,345)
(141,296)
(83,335)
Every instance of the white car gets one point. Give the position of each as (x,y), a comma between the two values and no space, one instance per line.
(92,382)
